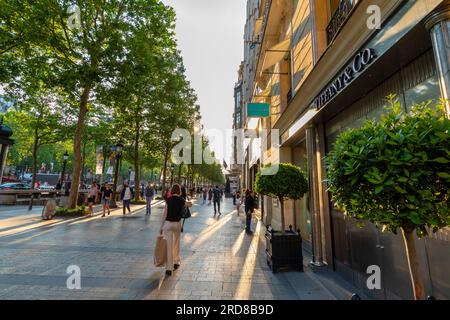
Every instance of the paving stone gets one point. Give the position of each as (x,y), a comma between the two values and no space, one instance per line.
(115,256)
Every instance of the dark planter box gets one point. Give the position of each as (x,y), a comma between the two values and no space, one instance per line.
(284,251)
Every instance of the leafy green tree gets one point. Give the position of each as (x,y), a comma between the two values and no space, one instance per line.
(85,58)
(177,111)
(395,173)
(289,182)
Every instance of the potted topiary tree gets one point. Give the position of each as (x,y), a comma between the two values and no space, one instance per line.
(283,248)
(395,174)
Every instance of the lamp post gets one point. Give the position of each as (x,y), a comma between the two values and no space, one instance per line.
(63,173)
(118,149)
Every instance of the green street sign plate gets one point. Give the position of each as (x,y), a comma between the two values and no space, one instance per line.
(258,110)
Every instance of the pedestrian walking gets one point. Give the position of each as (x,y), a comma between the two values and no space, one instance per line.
(92,195)
(216,199)
(249,208)
(210,194)
(238,201)
(58,186)
(205,194)
(106,199)
(126,195)
(149,194)
(171,227)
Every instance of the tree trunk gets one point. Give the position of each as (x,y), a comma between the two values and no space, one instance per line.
(34,158)
(283,223)
(102,178)
(34,165)
(166,158)
(136,163)
(73,197)
(179,173)
(413,263)
(83,169)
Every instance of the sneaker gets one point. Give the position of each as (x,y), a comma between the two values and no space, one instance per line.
(168,273)
(176,266)
(103,216)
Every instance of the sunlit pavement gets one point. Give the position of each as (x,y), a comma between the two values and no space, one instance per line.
(115,256)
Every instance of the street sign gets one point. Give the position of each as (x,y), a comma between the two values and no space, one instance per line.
(258,110)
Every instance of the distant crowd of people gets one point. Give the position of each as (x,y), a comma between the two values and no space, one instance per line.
(177,203)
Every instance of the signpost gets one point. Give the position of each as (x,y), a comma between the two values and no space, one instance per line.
(258,110)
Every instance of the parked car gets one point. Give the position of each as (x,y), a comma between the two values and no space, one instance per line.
(15,186)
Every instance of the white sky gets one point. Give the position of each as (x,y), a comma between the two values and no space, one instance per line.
(210,37)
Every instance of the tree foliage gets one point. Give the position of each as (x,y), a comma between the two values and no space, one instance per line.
(289,182)
(395,173)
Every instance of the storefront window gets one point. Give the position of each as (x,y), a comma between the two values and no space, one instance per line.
(423,92)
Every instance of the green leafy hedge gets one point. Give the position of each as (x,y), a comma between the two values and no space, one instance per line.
(395,172)
(140,201)
(79,211)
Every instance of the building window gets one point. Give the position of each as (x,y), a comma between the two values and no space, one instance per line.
(340,10)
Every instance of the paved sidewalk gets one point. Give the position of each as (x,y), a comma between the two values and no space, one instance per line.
(115,255)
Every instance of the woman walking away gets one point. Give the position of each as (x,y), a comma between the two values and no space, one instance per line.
(171,227)
(149,194)
(126,195)
(92,194)
(204,195)
(210,194)
(106,199)
(238,201)
(249,208)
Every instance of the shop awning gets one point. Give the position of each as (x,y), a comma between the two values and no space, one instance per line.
(263,95)
(275,54)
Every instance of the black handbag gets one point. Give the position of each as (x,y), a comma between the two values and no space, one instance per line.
(186,213)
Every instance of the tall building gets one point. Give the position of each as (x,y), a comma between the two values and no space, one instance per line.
(325,66)
(236,163)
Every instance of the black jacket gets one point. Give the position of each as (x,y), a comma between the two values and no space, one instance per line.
(249,204)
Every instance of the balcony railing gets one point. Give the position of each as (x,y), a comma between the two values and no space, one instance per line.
(339,17)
